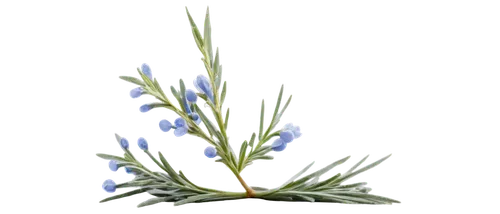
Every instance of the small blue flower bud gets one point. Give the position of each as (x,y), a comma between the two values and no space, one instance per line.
(196,118)
(186,105)
(180,122)
(165,125)
(278,145)
(146,70)
(136,92)
(286,136)
(109,186)
(124,143)
(143,144)
(294,129)
(129,170)
(210,152)
(113,165)
(203,85)
(180,131)
(145,108)
(191,96)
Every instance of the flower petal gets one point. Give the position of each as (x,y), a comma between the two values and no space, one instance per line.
(286,136)
(191,96)
(165,125)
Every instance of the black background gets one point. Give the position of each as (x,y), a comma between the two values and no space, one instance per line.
(357,79)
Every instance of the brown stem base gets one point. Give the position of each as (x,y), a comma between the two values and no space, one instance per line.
(249,190)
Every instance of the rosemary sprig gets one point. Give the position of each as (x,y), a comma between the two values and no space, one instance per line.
(172,186)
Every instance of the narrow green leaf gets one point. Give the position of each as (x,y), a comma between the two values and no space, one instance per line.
(207,38)
(243,152)
(136,183)
(364,195)
(223,94)
(330,166)
(156,161)
(277,106)
(133,80)
(146,172)
(264,157)
(219,73)
(359,163)
(182,94)
(259,188)
(170,170)
(176,95)
(317,173)
(325,182)
(195,198)
(210,126)
(162,192)
(128,155)
(145,79)
(157,105)
(354,199)
(111,157)
(252,139)
(296,175)
(285,107)
(152,201)
(349,186)
(350,175)
(196,33)
(262,150)
(123,195)
(261,119)
(227,117)
(306,198)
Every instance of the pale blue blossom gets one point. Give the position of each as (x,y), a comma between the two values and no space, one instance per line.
(144,109)
(195,117)
(128,171)
(210,152)
(112,167)
(178,127)
(135,93)
(124,143)
(202,85)
(286,136)
(295,128)
(165,126)
(109,186)
(191,96)
(142,143)
(146,69)
(279,146)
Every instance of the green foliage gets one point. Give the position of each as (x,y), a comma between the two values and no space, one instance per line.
(170,186)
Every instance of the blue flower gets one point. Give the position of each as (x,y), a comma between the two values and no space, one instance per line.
(143,144)
(136,92)
(113,165)
(180,122)
(203,85)
(165,125)
(195,117)
(191,96)
(286,136)
(278,145)
(210,152)
(109,186)
(186,105)
(294,129)
(124,143)
(146,70)
(145,108)
(178,127)
(129,170)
